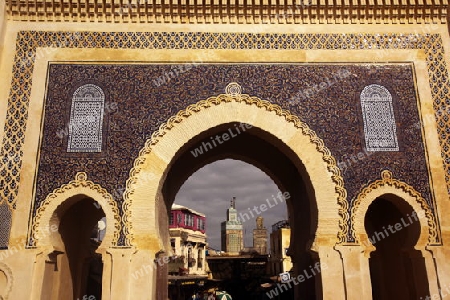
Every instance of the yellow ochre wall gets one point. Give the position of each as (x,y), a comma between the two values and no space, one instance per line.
(23,267)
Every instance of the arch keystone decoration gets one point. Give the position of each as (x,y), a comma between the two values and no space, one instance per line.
(79,186)
(233,89)
(389,185)
(156,155)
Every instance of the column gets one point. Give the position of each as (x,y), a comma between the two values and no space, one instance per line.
(332,273)
(356,271)
(430,270)
(120,273)
(161,278)
(38,276)
(441,257)
(106,274)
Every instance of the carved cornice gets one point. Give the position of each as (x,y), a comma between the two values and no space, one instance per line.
(234,95)
(231,11)
(387,179)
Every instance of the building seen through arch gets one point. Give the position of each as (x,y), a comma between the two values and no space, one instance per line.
(260,237)
(232,231)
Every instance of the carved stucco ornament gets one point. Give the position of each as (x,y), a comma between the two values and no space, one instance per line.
(387,179)
(80,181)
(233,91)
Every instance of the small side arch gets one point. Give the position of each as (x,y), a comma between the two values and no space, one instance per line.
(7,282)
(388,185)
(40,231)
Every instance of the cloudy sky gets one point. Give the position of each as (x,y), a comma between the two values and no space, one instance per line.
(210,189)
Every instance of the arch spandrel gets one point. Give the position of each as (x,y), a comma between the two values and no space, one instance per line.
(389,185)
(155,158)
(40,235)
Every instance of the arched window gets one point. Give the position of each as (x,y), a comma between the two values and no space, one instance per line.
(379,122)
(86,119)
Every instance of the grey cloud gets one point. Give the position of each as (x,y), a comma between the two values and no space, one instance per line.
(211,188)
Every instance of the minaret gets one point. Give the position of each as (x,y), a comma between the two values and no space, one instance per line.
(232,232)
(232,212)
(260,236)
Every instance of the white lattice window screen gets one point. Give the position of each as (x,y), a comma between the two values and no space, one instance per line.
(379,122)
(86,119)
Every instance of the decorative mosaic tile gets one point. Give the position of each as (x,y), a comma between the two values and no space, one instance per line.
(326,97)
(27,42)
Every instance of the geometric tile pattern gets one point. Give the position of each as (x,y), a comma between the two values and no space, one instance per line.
(329,112)
(27,42)
(5,225)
